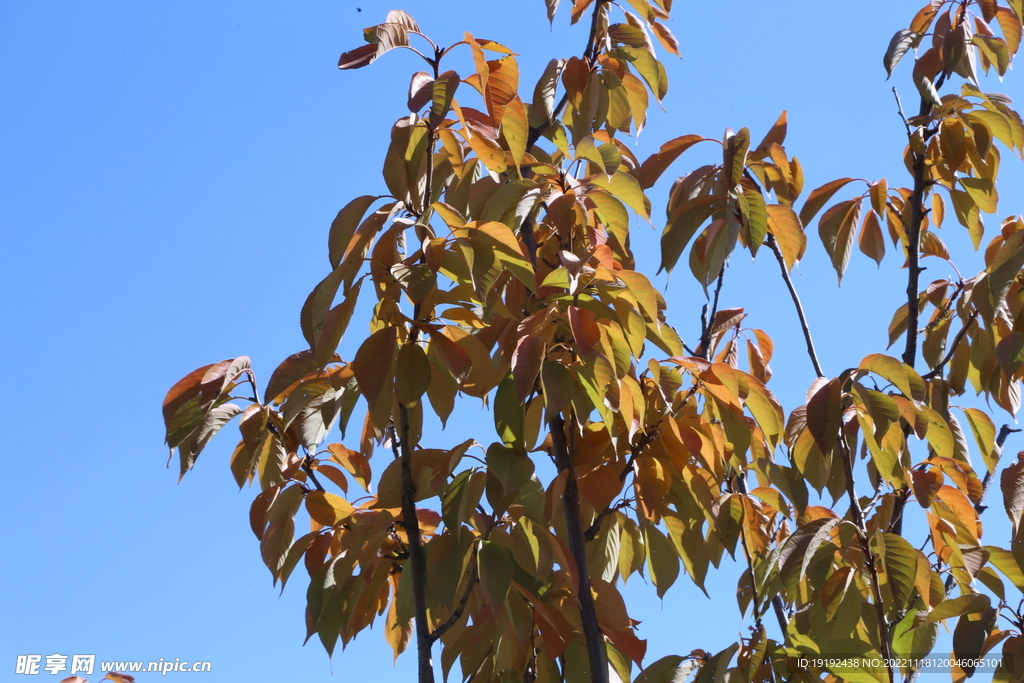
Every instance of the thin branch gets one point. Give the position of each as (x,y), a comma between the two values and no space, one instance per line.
(1004,432)
(899,108)
(645,440)
(707,323)
(461,607)
(870,560)
(937,370)
(774,246)
(309,473)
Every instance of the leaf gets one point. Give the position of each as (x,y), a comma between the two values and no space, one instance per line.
(662,560)
(684,222)
(496,569)
(1006,563)
(895,372)
(327,508)
(656,164)
(344,226)
(421,91)
(755,217)
(898,46)
(515,128)
(837,229)
(1011,482)
(526,363)
(871,242)
(970,603)
(624,187)
(374,372)
(734,155)
(552,7)
(817,198)
(985,435)
(668,669)
(412,374)
(899,562)
(789,232)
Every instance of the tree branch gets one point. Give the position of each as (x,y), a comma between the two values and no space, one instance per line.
(461,607)
(578,548)
(871,561)
(937,370)
(707,323)
(417,565)
(774,246)
(914,246)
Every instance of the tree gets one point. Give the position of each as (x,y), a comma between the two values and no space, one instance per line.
(501,269)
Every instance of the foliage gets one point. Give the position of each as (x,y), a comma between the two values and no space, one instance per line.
(499,267)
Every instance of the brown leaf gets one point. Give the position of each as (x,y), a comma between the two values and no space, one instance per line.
(583,323)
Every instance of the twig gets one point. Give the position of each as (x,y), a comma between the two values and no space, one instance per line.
(937,370)
(1004,432)
(774,246)
(309,473)
(707,323)
(461,607)
(899,108)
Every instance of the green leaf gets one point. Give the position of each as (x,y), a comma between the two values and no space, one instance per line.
(899,562)
(624,187)
(662,560)
(985,435)
(755,216)
(496,569)
(971,603)
(1006,563)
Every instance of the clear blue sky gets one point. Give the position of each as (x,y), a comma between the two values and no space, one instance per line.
(168,172)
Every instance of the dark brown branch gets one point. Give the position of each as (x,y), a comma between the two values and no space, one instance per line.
(578,548)
(589,54)
(707,323)
(870,560)
(774,246)
(461,607)
(937,370)
(917,213)
(417,565)
(312,477)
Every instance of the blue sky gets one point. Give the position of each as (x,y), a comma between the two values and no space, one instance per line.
(168,172)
